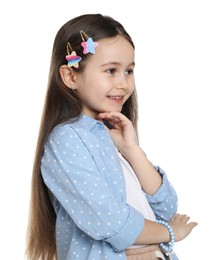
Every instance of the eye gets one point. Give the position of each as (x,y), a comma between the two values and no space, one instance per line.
(111,71)
(128,72)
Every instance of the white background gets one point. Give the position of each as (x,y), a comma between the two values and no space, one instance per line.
(176,76)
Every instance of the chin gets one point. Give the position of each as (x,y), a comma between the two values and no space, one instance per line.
(114,110)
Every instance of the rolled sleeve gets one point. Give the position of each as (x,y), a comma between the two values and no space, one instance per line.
(164,202)
(129,232)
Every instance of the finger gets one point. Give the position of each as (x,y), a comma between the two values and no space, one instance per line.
(184,218)
(181,218)
(116,121)
(191,226)
(177,216)
(115,116)
(109,121)
(109,117)
(101,116)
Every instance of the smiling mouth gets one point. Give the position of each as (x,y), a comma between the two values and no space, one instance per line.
(116,98)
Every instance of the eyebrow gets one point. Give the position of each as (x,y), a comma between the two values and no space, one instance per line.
(116,63)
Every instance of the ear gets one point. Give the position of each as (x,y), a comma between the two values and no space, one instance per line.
(68,76)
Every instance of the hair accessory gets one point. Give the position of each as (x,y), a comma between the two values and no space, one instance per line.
(89,45)
(168,249)
(72,57)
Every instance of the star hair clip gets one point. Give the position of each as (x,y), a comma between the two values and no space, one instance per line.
(72,57)
(89,45)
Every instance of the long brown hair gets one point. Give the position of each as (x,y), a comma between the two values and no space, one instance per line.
(62,104)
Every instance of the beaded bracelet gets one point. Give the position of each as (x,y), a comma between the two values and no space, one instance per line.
(168,249)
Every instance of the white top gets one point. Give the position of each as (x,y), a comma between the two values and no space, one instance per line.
(135,195)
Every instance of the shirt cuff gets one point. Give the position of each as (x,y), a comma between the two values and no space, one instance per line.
(161,194)
(129,232)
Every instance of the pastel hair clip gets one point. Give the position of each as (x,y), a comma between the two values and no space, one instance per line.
(89,45)
(72,57)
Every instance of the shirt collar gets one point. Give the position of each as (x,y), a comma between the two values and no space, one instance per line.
(88,123)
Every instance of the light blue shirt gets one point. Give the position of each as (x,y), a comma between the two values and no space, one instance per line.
(82,171)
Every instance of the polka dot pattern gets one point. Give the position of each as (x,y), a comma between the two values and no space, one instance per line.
(82,171)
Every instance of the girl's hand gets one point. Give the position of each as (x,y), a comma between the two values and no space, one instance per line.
(181,227)
(122,132)
(154,233)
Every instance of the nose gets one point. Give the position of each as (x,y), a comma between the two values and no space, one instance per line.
(121,83)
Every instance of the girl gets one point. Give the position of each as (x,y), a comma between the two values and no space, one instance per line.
(95,195)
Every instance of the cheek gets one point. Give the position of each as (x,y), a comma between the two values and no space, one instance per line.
(130,91)
(132,88)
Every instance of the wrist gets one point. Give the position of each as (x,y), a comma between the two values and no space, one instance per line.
(167,248)
(132,151)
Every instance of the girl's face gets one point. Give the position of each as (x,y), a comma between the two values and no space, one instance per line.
(108,80)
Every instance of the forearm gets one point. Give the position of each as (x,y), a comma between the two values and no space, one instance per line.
(153,233)
(149,178)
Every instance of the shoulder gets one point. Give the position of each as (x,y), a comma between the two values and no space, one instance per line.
(85,131)
(72,132)
(82,124)
(61,132)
